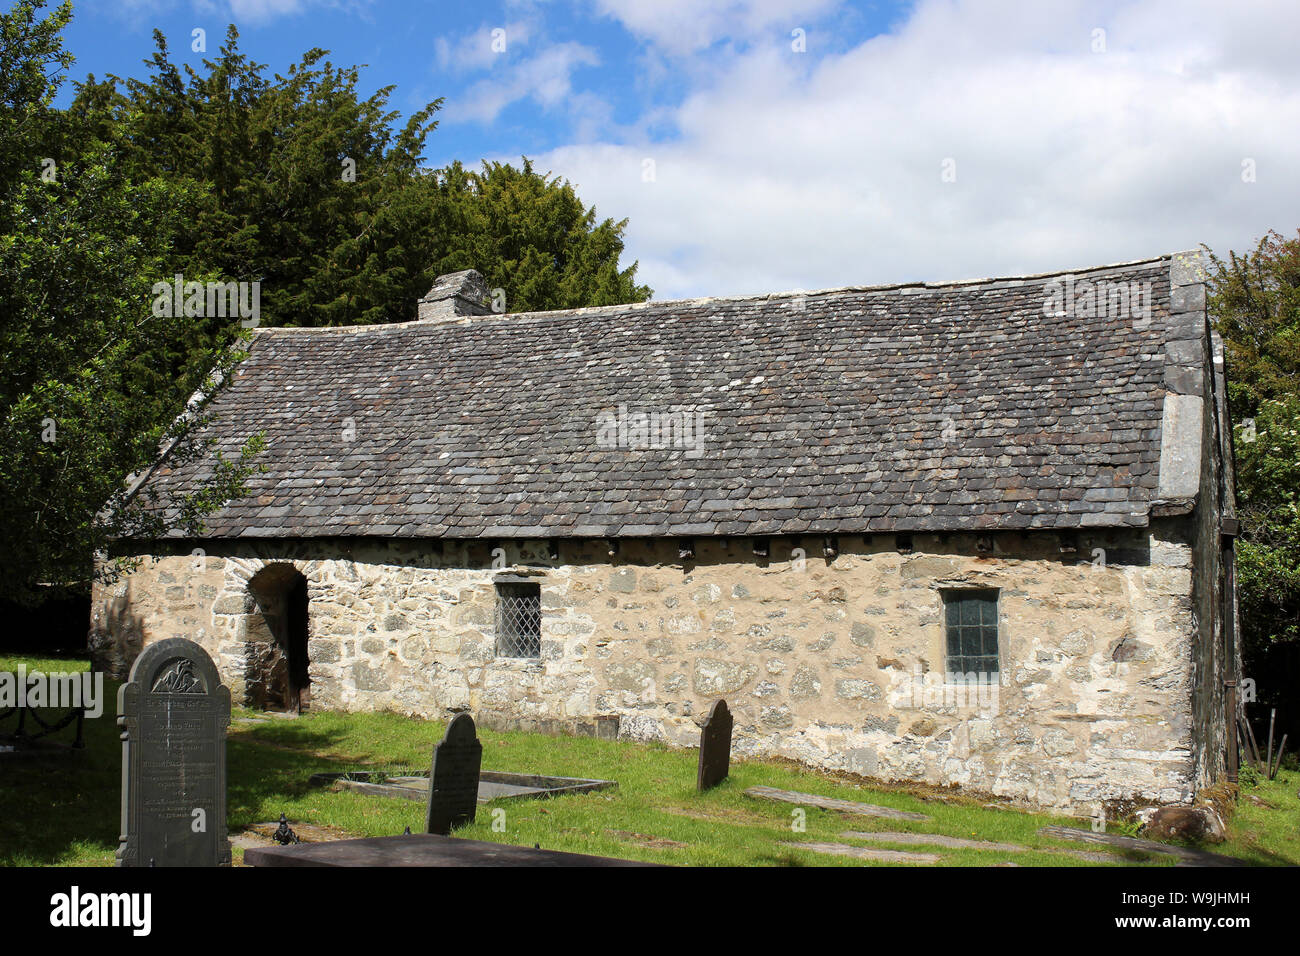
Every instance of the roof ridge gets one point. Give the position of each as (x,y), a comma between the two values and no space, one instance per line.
(706,300)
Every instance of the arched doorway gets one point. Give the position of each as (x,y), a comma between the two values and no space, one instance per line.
(276,674)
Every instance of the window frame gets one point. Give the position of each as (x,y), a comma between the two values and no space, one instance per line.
(508,644)
(955,601)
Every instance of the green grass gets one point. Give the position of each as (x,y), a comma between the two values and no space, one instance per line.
(64,810)
(1266,826)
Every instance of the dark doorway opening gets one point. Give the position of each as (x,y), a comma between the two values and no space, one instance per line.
(277,675)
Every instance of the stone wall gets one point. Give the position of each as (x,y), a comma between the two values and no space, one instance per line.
(1217,650)
(836,662)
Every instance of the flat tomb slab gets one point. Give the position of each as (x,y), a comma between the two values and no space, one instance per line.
(1186,855)
(831,803)
(933,839)
(959,843)
(866,853)
(492,785)
(422,849)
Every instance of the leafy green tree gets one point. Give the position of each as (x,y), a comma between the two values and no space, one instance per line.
(80,247)
(1268,500)
(1256,308)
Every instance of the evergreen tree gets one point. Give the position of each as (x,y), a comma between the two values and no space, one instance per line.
(80,246)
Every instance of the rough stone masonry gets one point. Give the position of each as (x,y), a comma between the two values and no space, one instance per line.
(870,457)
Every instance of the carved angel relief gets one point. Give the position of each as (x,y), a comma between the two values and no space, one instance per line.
(179,678)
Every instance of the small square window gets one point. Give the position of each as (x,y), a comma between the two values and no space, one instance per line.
(519,619)
(971,619)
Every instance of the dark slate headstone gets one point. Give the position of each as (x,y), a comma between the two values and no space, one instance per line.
(715,747)
(453,779)
(173,712)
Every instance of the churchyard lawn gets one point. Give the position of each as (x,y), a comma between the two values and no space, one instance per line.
(63,810)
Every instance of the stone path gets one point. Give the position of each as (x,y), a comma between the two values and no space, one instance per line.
(865,853)
(1186,855)
(830,803)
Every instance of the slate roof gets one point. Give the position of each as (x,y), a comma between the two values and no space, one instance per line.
(913,407)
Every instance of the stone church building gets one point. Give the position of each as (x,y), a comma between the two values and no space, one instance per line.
(971,533)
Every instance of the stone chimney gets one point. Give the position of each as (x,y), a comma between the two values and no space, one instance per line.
(455,296)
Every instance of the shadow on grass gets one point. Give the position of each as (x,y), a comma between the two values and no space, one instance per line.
(65,808)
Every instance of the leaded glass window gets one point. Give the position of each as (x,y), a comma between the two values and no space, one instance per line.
(519,619)
(971,619)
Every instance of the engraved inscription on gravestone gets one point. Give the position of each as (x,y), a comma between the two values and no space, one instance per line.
(173,712)
(453,779)
(715,747)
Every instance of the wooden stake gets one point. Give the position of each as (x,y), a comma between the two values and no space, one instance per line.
(1272,715)
(1251,747)
(1254,744)
(1272,772)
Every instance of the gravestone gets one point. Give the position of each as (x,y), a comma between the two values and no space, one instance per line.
(453,779)
(715,747)
(173,712)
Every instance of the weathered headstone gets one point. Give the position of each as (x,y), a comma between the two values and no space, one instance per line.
(453,779)
(173,712)
(715,747)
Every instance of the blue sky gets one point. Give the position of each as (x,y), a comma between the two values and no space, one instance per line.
(762,145)
(556,74)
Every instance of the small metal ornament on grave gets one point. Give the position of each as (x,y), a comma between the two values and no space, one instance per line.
(283,835)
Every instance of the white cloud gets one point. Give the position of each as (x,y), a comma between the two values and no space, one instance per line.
(545,78)
(824,169)
(678,27)
(482,48)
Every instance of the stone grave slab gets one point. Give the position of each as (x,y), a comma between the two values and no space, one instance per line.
(453,778)
(715,747)
(174,712)
(1187,855)
(866,853)
(492,785)
(932,839)
(423,849)
(831,803)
